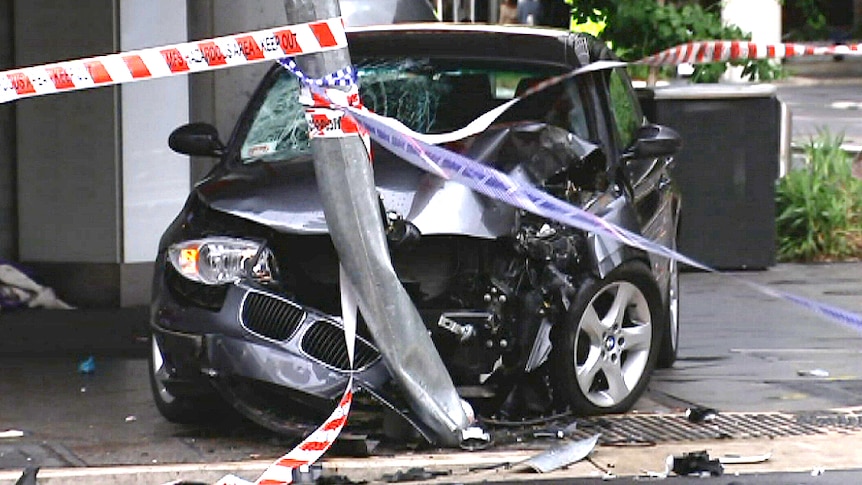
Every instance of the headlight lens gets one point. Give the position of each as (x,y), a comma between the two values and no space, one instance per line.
(220,260)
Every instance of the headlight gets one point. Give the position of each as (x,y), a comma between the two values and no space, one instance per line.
(220,260)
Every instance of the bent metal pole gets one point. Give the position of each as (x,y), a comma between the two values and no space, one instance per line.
(351,207)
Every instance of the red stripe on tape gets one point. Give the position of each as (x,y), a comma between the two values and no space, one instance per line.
(287,41)
(291,462)
(98,72)
(349,125)
(339,422)
(324,34)
(752,50)
(770,51)
(249,47)
(21,83)
(271,482)
(175,60)
(212,53)
(315,446)
(734,50)
(137,67)
(348,396)
(60,78)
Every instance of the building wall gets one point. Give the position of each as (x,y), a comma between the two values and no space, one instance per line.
(8,192)
(96,183)
(218,97)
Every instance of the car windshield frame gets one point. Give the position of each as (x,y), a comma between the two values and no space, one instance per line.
(503,77)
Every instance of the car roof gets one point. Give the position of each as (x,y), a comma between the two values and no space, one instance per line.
(476,41)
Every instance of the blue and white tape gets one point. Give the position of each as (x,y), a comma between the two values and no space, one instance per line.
(421,151)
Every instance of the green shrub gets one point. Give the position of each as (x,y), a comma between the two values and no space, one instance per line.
(819,207)
(640,28)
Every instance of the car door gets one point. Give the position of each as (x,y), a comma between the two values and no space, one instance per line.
(647,177)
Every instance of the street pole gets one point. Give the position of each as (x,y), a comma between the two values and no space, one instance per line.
(352,211)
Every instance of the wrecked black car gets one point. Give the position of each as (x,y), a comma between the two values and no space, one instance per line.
(529,316)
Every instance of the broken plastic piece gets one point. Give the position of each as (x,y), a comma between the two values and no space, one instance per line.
(813,373)
(560,456)
(696,463)
(474,438)
(87,366)
(700,415)
(11,433)
(731,459)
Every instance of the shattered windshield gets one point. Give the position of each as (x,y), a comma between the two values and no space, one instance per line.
(427,96)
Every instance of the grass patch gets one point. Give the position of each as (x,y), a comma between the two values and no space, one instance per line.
(819,207)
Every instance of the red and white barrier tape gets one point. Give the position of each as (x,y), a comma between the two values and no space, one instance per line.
(723,51)
(197,56)
(316,444)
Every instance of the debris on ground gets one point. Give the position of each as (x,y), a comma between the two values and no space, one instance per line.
(813,373)
(413,475)
(700,415)
(19,290)
(28,477)
(732,459)
(11,433)
(696,463)
(87,366)
(560,456)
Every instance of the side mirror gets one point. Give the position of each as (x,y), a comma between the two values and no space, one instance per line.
(198,139)
(654,141)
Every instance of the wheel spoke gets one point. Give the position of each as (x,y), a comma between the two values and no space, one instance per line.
(587,372)
(637,338)
(593,325)
(621,302)
(618,390)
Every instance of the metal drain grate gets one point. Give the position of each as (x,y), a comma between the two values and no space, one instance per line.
(647,429)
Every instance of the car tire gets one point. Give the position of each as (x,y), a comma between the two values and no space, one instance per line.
(602,365)
(178,409)
(670,336)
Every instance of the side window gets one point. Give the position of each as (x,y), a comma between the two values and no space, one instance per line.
(625,107)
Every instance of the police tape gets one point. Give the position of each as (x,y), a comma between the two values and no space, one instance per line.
(157,62)
(709,51)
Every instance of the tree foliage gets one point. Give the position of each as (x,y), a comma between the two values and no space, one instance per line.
(640,28)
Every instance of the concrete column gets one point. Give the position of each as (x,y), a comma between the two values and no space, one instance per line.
(8,192)
(218,97)
(96,182)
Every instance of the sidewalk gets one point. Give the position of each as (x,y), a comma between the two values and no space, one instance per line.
(742,353)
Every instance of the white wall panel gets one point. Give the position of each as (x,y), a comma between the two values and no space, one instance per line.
(155,180)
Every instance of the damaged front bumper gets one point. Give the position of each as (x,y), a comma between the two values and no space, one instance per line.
(260,338)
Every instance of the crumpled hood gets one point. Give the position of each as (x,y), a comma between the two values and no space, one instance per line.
(284,196)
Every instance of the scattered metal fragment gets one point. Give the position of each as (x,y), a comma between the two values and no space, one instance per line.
(813,373)
(700,415)
(11,433)
(560,456)
(731,459)
(696,463)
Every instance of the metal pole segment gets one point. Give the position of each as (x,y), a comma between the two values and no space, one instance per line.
(350,204)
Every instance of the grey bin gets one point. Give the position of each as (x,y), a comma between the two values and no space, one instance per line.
(726,170)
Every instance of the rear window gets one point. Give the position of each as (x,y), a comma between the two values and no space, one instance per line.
(427,96)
